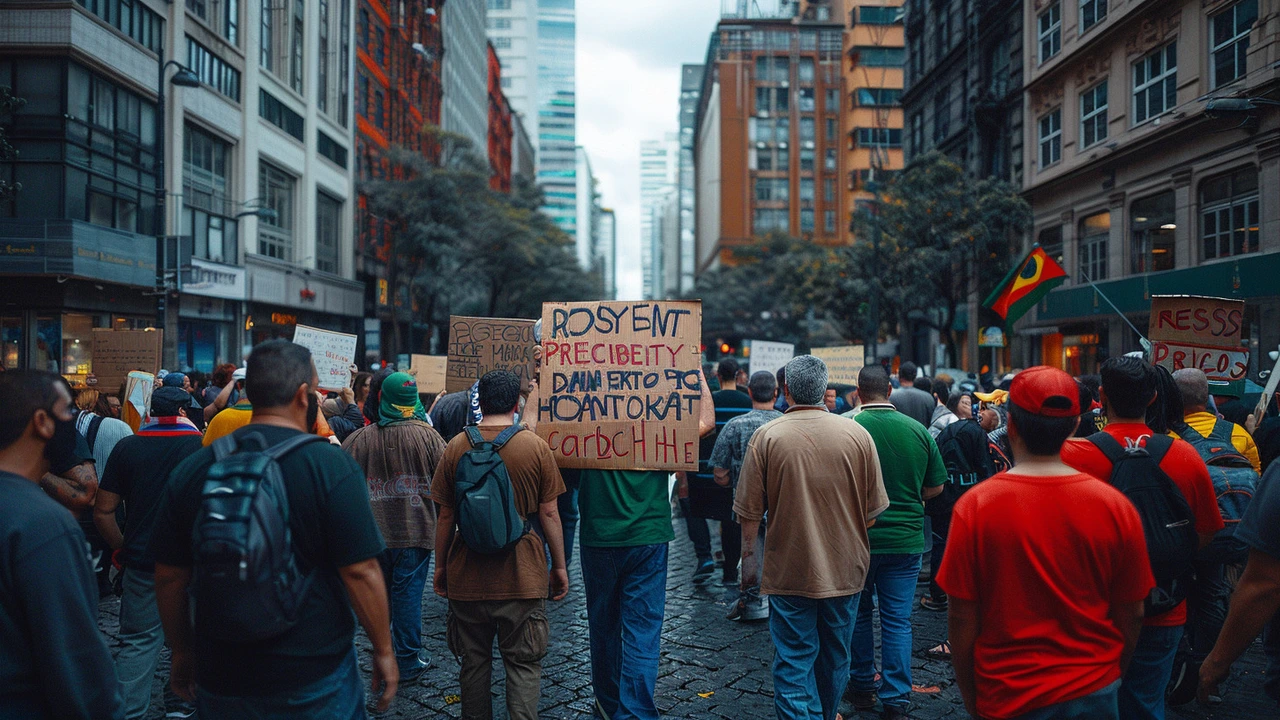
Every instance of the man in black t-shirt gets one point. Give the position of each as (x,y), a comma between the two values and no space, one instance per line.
(310,670)
(54,662)
(139,468)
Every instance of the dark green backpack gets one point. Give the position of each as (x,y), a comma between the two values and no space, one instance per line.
(488,517)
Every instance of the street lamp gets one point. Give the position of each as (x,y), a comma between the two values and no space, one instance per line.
(167,311)
(261,213)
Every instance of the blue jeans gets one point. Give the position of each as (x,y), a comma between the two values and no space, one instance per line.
(1143,686)
(405,572)
(893,580)
(340,696)
(1100,705)
(811,654)
(141,638)
(626,591)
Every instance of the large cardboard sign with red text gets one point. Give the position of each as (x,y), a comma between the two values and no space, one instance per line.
(619,384)
(1189,331)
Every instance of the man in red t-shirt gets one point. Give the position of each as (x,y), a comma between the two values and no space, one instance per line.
(1046,573)
(1128,387)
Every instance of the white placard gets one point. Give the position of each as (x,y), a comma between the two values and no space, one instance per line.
(333,353)
(770,356)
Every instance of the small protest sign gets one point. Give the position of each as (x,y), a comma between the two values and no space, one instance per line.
(843,363)
(619,384)
(431,372)
(769,356)
(478,345)
(332,352)
(137,398)
(1189,331)
(118,352)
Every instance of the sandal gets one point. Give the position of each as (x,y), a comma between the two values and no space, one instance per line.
(941,651)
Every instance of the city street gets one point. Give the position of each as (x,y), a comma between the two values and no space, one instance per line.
(711,668)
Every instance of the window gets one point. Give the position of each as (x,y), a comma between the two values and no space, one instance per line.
(279,114)
(328,222)
(878,137)
(1155,83)
(774,69)
(831,100)
(322,62)
(831,133)
(1094,232)
(1051,138)
(380,46)
(1151,228)
(808,132)
(379,110)
(131,18)
(363,27)
(880,56)
(275,190)
(917,133)
(770,99)
(916,42)
(499,4)
(499,23)
(502,42)
(806,160)
(329,148)
(296,65)
(1093,115)
(829,221)
(1092,12)
(806,220)
(1049,31)
(829,158)
(212,70)
(806,102)
(806,191)
(879,16)
(941,115)
(804,71)
(266,38)
(997,67)
(1229,214)
(828,190)
(772,189)
(942,29)
(766,220)
(1050,240)
(1229,40)
(344,61)
(876,97)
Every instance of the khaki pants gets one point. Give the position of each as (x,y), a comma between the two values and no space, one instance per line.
(521,629)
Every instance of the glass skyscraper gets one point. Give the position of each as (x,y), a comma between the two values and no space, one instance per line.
(557,111)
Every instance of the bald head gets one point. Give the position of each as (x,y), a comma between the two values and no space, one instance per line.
(1193,385)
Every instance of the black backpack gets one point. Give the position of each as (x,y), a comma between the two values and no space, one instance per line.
(1167,521)
(488,518)
(247,585)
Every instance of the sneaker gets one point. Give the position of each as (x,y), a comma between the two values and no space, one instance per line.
(750,606)
(412,674)
(1185,682)
(860,699)
(705,569)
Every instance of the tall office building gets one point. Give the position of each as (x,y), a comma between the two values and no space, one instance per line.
(607,251)
(690,86)
(873,81)
(659,163)
(465,108)
(513,29)
(247,165)
(586,208)
(557,112)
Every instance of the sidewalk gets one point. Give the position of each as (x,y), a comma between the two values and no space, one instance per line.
(711,668)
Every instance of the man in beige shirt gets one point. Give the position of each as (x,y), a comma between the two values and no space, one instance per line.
(819,477)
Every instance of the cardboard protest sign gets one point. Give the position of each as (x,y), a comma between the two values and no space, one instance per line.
(1189,331)
(118,352)
(619,384)
(137,398)
(332,352)
(478,345)
(843,363)
(770,356)
(431,372)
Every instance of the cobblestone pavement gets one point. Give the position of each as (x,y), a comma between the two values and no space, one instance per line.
(711,668)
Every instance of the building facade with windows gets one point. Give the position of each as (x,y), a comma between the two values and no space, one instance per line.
(498,142)
(686,257)
(874,48)
(1135,183)
(769,131)
(557,131)
(248,172)
(465,106)
(512,26)
(659,171)
(607,252)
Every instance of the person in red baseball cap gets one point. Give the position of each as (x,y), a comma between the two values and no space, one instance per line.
(1046,572)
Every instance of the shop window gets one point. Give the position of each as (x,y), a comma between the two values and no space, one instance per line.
(1152,226)
(11,342)
(1095,230)
(1229,214)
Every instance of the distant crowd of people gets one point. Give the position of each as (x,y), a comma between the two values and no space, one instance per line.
(1102,546)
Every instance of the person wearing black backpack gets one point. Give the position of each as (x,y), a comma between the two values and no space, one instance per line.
(1170,486)
(267,535)
(497,488)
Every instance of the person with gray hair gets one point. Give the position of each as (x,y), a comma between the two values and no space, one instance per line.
(819,476)
(1193,384)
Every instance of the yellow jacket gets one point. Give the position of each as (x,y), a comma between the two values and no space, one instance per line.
(1203,422)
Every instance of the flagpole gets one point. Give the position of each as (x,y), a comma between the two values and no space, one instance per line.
(1146,344)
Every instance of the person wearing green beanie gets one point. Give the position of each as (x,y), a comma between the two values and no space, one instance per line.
(399,401)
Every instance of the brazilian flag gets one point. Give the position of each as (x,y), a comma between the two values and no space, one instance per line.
(1025,284)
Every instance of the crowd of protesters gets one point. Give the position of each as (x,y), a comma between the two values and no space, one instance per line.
(1103,546)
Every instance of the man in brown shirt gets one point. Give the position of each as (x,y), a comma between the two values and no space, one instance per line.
(501,594)
(819,477)
(399,456)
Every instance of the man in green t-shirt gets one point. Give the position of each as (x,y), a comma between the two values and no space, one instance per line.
(624,531)
(913,472)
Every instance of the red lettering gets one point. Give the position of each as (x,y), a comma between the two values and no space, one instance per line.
(596,358)
(1202,319)
(1235,320)
(639,443)
(1160,351)
(637,354)
(617,447)
(550,350)
(1166,318)
(666,446)
(564,353)
(1179,359)
(1183,319)
(580,352)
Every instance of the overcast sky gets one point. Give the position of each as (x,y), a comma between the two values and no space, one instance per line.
(629,58)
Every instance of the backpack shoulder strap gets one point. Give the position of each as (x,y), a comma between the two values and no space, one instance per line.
(1223,431)
(223,447)
(1109,446)
(1157,445)
(473,435)
(95,424)
(275,452)
(506,435)
(1188,433)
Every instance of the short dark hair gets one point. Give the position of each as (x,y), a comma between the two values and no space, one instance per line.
(873,382)
(907,372)
(274,372)
(499,392)
(941,390)
(1166,413)
(924,383)
(727,369)
(781,375)
(22,393)
(1093,382)
(953,400)
(1042,435)
(762,386)
(1130,384)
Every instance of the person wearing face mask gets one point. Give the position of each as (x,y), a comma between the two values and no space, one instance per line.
(309,670)
(54,662)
